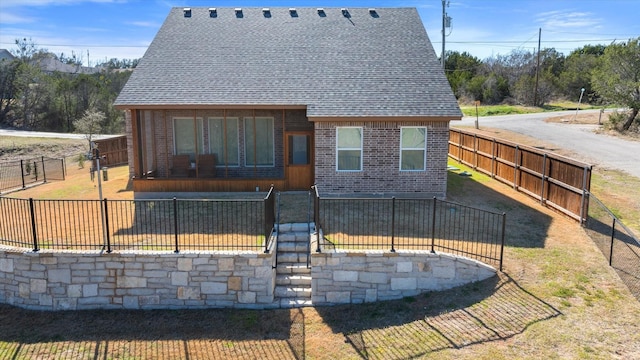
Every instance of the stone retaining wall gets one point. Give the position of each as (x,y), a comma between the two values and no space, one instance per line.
(55,280)
(340,277)
(90,280)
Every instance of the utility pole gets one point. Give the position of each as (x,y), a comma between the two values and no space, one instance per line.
(535,91)
(446,23)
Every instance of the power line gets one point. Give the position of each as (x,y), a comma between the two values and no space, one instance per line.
(84,45)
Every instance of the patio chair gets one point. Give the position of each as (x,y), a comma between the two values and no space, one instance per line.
(181,166)
(207,165)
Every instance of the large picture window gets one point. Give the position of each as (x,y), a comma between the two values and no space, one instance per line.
(413,148)
(223,141)
(259,141)
(349,149)
(187,137)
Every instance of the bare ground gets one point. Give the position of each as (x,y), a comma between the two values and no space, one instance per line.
(557,298)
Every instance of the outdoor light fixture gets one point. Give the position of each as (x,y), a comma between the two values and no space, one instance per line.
(186,12)
(213,12)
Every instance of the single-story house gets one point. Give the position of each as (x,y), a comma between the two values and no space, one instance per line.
(236,99)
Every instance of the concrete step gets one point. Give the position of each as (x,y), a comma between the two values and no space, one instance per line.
(296,227)
(292,292)
(292,268)
(291,246)
(287,303)
(292,258)
(295,280)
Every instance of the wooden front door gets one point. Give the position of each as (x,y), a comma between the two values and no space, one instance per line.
(299,160)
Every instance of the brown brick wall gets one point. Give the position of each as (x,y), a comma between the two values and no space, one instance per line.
(381,160)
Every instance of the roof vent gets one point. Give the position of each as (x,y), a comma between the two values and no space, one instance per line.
(345,12)
(293,12)
(373,13)
(239,12)
(321,12)
(266,12)
(186,12)
(213,12)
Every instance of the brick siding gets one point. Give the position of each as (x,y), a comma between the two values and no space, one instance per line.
(381,160)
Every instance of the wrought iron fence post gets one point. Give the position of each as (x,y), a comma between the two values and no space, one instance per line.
(504,222)
(44,172)
(35,170)
(64,169)
(393,223)
(433,226)
(106,224)
(316,216)
(613,235)
(22,172)
(33,222)
(175,223)
(269,220)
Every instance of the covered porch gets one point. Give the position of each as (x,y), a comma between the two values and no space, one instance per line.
(220,149)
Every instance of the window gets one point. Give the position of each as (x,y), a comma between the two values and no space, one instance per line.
(299,150)
(349,148)
(223,141)
(258,141)
(186,134)
(413,148)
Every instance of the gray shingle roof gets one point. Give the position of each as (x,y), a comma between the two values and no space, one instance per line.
(361,65)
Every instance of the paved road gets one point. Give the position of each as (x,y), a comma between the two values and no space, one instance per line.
(40,134)
(597,149)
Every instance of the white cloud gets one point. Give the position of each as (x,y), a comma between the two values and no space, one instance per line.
(24,3)
(149,24)
(9,18)
(565,19)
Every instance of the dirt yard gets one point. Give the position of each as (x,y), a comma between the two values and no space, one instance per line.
(556,299)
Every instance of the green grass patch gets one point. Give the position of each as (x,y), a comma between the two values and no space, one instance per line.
(490,110)
(455,181)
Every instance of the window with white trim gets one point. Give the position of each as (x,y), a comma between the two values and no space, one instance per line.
(413,148)
(223,140)
(349,148)
(187,137)
(259,147)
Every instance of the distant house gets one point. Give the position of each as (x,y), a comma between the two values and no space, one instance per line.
(353,100)
(5,55)
(50,64)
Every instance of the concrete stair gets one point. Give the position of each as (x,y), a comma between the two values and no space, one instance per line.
(293,278)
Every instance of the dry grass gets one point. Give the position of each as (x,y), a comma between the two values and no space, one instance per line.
(557,298)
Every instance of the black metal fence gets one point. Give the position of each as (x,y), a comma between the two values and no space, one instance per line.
(21,173)
(167,224)
(410,224)
(618,244)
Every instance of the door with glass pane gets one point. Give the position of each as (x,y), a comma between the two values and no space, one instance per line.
(299,160)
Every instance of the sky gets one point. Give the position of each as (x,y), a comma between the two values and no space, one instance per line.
(96,30)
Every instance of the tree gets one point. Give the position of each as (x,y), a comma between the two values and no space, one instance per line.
(89,124)
(8,72)
(617,78)
(577,73)
(460,69)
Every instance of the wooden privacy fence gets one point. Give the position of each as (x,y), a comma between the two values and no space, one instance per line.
(114,149)
(554,180)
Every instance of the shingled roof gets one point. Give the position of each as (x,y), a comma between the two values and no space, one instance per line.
(336,63)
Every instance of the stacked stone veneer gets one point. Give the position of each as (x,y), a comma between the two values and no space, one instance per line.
(70,281)
(74,281)
(340,277)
